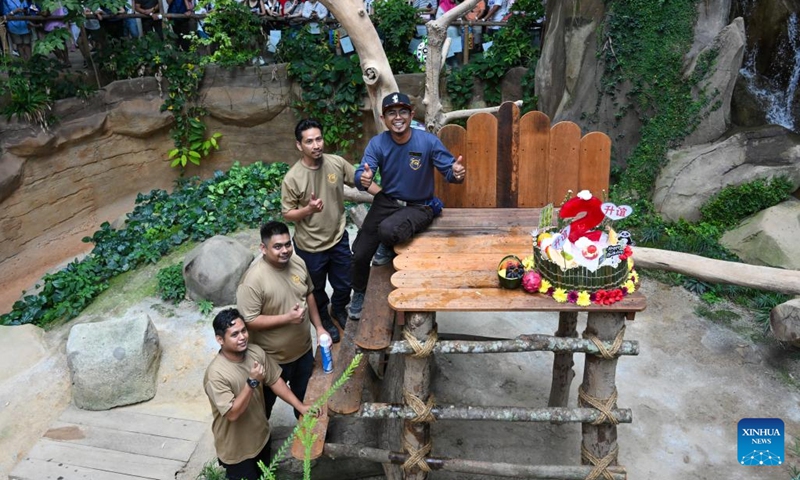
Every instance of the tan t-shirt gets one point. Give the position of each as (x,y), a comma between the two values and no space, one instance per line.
(224,380)
(266,290)
(322,230)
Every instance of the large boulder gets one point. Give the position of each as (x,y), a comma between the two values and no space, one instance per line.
(784,320)
(768,237)
(694,174)
(725,55)
(113,363)
(213,269)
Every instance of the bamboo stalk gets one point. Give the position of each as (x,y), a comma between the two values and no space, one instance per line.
(505,414)
(553,472)
(523,343)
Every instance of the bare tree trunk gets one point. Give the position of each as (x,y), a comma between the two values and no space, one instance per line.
(374,65)
(437,34)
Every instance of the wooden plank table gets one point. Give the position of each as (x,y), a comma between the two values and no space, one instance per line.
(452,267)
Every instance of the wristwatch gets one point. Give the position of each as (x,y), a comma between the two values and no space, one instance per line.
(253,383)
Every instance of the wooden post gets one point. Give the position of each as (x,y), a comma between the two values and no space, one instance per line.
(599,381)
(4,40)
(416,380)
(562,362)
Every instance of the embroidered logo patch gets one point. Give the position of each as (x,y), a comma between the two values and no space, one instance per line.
(296,279)
(331,178)
(415,160)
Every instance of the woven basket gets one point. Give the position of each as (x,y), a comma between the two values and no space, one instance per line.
(509,283)
(580,278)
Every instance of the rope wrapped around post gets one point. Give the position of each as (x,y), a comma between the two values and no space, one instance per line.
(423,410)
(600,464)
(421,350)
(416,457)
(608,354)
(603,405)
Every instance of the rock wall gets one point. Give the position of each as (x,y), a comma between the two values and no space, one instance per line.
(569,72)
(58,186)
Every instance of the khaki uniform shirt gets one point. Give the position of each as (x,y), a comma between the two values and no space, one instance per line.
(322,230)
(224,380)
(266,290)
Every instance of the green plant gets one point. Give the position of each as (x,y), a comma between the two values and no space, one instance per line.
(183,71)
(305,427)
(205,307)
(734,203)
(235,34)
(332,87)
(396,23)
(157,225)
(512,46)
(212,471)
(171,286)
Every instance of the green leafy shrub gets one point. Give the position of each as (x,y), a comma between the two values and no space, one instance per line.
(332,87)
(205,307)
(32,88)
(235,34)
(735,203)
(396,23)
(512,46)
(196,210)
(171,286)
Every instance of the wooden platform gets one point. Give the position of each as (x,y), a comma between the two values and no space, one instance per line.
(115,444)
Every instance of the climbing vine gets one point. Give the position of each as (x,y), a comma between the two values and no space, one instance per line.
(332,86)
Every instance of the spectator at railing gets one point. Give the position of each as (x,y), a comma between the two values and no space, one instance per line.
(314,10)
(182,26)
(91,36)
(152,9)
(452,32)
(274,8)
(476,31)
(426,8)
(113,27)
(293,9)
(62,54)
(496,12)
(257,7)
(21,36)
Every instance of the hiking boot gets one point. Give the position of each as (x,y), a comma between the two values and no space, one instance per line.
(383,255)
(340,316)
(356,304)
(329,327)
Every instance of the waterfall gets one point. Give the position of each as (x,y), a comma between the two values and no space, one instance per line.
(777,100)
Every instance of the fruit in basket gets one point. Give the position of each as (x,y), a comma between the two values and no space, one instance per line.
(510,271)
(531,282)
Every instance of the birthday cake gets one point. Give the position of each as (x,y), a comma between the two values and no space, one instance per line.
(584,260)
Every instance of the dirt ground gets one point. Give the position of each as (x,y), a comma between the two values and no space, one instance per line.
(692,382)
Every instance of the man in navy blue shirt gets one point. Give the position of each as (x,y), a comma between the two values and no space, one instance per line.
(406,159)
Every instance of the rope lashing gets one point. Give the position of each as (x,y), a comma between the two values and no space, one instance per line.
(605,405)
(421,350)
(416,457)
(608,354)
(600,464)
(422,409)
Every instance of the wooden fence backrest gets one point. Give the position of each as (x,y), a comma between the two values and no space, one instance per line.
(523,162)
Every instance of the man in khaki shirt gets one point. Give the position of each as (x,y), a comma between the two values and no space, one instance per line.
(231,382)
(312,196)
(276,302)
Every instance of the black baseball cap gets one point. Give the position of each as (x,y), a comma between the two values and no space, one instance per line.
(395,98)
